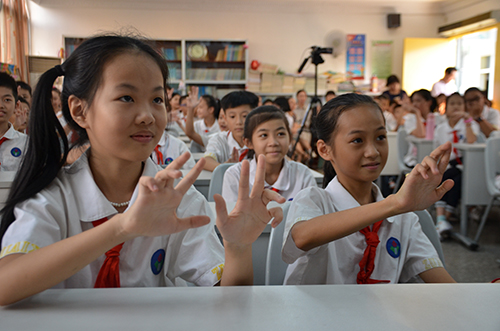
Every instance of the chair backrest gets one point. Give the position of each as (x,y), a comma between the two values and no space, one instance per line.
(275,266)
(492,164)
(215,186)
(403,146)
(429,229)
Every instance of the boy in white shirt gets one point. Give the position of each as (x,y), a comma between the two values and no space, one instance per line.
(229,146)
(12,142)
(487,118)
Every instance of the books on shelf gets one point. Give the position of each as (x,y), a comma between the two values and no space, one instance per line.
(172,53)
(231,53)
(215,74)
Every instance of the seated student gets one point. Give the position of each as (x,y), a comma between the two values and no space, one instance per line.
(12,142)
(267,133)
(175,124)
(422,105)
(20,117)
(114,218)
(221,120)
(229,146)
(283,104)
(200,131)
(329,237)
(24,90)
(399,114)
(168,149)
(384,102)
(459,128)
(268,102)
(330,95)
(487,117)
(394,91)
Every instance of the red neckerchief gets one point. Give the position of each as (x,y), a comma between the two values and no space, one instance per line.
(159,155)
(367,263)
(456,140)
(4,139)
(109,274)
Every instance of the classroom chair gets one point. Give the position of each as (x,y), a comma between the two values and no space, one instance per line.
(492,168)
(215,186)
(403,146)
(275,266)
(429,229)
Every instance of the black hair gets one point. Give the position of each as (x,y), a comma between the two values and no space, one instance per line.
(282,103)
(327,121)
(23,100)
(261,115)
(426,95)
(473,89)
(392,79)
(383,96)
(297,94)
(48,148)
(239,98)
(24,86)
(456,94)
(449,70)
(330,92)
(9,82)
(182,98)
(212,103)
(267,100)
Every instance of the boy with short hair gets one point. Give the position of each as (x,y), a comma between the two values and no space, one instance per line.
(228,146)
(24,90)
(12,142)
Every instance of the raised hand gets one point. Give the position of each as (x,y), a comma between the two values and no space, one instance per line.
(154,211)
(421,187)
(235,156)
(250,215)
(192,100)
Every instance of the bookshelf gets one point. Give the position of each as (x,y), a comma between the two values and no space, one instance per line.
(216,66)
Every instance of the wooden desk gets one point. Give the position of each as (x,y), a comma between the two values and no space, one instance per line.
(424,146)
(474,191)
(313,307)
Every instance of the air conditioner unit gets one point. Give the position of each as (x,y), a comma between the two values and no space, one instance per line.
(470,24)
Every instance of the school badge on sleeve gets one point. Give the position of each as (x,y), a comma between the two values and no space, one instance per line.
(157,261)
(393,247)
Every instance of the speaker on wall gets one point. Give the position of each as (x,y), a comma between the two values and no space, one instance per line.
(393,21)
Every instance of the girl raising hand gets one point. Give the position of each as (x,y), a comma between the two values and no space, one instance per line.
(113,218)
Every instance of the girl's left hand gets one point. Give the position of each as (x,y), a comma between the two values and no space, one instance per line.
(250,216)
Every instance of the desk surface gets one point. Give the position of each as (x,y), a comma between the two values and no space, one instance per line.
(318,307)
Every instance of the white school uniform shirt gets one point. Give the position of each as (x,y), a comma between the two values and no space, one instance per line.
(403,253)
(444,133)
(205,132)
(171,148)
(293,177)
(13,149)
(441,87)
(491,115)
(220,146)
(70,204)
(290,120)
(390,121)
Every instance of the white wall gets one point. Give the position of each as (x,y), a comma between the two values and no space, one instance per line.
(277,32)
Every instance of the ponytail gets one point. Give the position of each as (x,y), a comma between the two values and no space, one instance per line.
(48,146)
(212,103)
(43,158)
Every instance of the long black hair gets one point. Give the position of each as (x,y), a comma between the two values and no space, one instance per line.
(48,147)
(327,121)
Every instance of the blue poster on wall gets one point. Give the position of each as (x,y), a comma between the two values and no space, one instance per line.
(355,66)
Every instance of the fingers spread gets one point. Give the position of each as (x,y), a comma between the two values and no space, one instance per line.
(191,177)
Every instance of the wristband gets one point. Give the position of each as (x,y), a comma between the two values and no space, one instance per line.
(494,280)
(468,120)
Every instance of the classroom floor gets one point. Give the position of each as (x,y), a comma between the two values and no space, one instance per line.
(479,266)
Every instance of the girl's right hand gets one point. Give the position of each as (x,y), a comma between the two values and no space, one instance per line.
(421,187)
(154,211)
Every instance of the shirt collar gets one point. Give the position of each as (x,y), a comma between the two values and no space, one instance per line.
(233,143)
(11,133)
(343,200)
(91,202)
(163,139)
(283,181)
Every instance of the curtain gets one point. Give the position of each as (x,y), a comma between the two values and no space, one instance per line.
(14,35)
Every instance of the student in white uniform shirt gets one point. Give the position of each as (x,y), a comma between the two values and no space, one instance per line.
(488,118)
(60,222)
(267,133)
(12,142)
(228,147)
(460,127)
(329,237)
(415,121)
(168,149)
(200,131)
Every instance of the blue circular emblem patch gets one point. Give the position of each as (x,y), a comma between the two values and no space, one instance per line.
(16,152)
(168,160)
(393,247)
(157,261)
